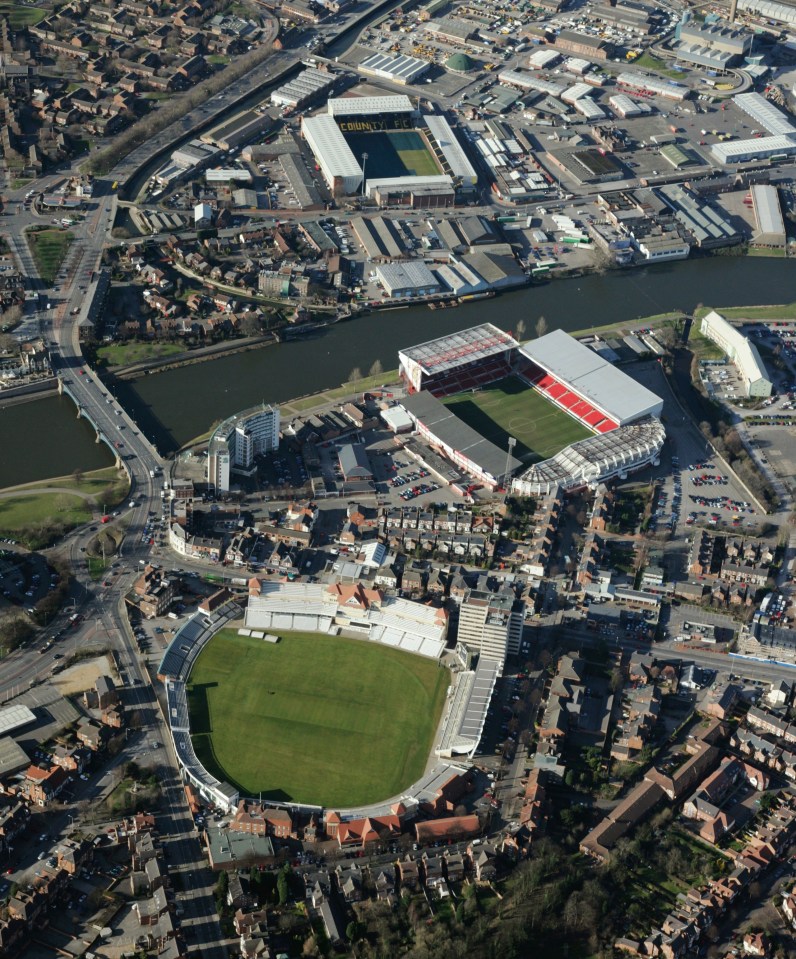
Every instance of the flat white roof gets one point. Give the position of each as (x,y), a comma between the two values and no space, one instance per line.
(14,717)
(738,151)
(595,379)
(400,67)
(368,106)
(326,140)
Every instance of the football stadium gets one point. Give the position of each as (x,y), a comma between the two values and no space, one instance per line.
(574,419)
(340,690)
(384,144)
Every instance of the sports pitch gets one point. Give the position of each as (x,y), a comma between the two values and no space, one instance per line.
(511,408)
(393,153)
(314,718)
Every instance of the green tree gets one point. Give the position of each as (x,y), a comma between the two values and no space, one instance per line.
(282,887)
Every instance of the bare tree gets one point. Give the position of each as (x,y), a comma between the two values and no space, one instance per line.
(355,374)
(376,368)
(541,326)
(519,329)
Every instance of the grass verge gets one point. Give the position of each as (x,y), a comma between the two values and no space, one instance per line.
(124,354)
(48,248)
(338,722)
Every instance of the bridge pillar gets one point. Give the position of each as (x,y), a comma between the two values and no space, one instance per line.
(60,386)
(119,464)
(79,411)
(99,436)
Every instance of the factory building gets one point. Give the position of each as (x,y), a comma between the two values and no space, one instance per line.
(768,216)
(401,69)
(401,280)
(711,44)
(308,85)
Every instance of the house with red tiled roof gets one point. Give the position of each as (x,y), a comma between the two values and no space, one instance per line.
(454,827)
(41,786)
(358,832)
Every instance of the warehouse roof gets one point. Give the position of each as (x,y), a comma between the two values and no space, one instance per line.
(741,151)
(596,380)
(14,717)
(403,68)
(414,275)
(765,201)
(329,143)
(368,106)
(457,435)
(12,756)
(764,112)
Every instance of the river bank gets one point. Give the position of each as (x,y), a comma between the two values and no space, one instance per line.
(181,404)
(202,354)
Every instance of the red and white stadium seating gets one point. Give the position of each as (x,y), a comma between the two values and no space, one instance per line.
(564,397)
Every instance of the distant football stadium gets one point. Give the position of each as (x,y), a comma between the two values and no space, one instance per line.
(385,142)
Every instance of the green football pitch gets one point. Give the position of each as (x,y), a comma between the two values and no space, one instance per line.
(314,718)
(511,408)
(393,153)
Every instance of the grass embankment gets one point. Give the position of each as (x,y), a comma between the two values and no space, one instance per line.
(49,247)
(339,722)
(20,16)
(648,62)
(702,347)
(779,311)
(125,354)
(38,518)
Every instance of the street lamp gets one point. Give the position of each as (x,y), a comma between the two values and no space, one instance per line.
(364,164)
(512,444)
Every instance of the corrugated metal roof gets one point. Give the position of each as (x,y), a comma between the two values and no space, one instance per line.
(328,142)
(365,106)
(767,209)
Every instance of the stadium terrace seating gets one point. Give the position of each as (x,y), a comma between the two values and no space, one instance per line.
(593,418)
(469,377)
(564,397)
(606,426)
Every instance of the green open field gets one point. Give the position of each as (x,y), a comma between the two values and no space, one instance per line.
(314,718)
(511,408)
(20,15)
(393,153)
(49,249)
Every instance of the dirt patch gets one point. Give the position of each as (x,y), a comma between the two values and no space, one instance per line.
(82,675)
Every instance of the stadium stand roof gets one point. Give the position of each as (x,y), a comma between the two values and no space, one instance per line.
(330,147)
(467,708)
(466,346)
(595,379)
(15,717)
(453,152)
(369,106)
(595,459)
(457,435)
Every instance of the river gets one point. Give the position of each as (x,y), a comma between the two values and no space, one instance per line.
(175,406)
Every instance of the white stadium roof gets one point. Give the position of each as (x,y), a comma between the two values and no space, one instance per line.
(595,379)
(454,154)
(455,349)
(369,106)
(325,138)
